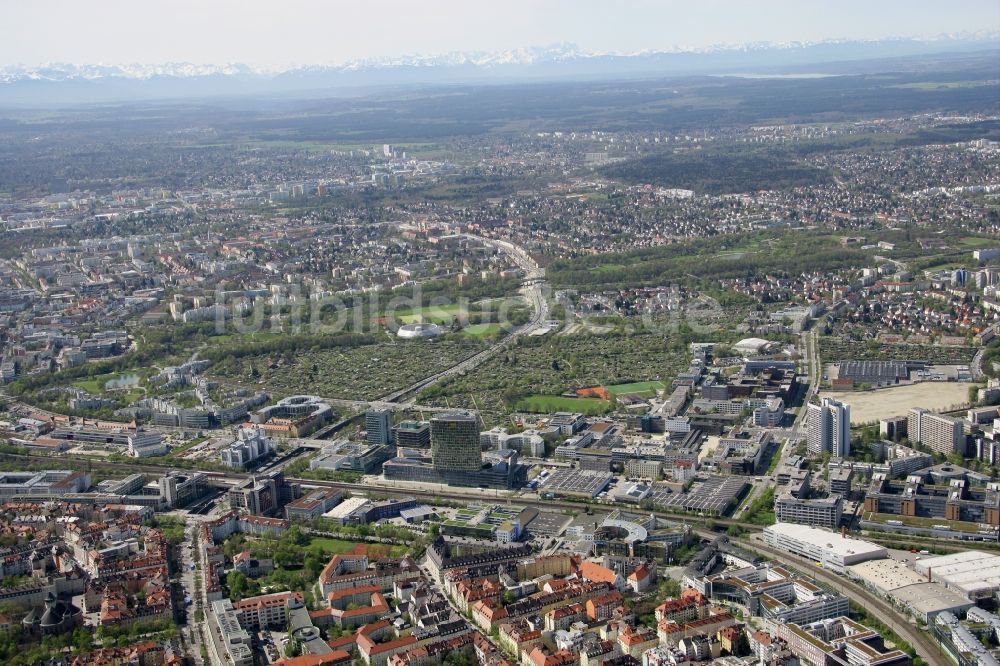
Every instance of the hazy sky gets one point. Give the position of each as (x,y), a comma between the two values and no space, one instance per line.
(281,32)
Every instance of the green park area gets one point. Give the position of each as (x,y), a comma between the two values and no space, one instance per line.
(356,373)
(438,314)
(481,330)
(533,374)
(331,546)
(640,389)
(100,383)
(542,404)
(976,242)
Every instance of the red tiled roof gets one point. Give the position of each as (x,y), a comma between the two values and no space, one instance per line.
(597,573)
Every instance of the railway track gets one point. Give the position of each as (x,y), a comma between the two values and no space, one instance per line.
(920,642)
(450,493)
(459,494)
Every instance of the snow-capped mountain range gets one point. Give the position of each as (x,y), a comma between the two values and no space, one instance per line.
(105,81)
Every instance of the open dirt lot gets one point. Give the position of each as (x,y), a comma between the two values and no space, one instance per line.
(869,406)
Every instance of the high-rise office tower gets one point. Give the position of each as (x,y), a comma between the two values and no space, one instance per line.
(455,442)
(378,426)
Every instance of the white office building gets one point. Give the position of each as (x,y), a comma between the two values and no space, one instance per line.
(250,446)
(143,444)
(234,639)
(942,434)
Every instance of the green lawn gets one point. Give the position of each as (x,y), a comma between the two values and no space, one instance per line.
(643,389)
(609,268)
(553,403)
(93,385)
(334,546)
(96,384)
(761,511)
(337,546)
(438,314)
(976,243)
(481,330)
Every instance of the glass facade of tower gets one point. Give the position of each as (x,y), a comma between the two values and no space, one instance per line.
(455,442)
(378,426)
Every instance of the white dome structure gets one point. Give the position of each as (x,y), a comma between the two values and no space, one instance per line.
(418,330)
(754,346)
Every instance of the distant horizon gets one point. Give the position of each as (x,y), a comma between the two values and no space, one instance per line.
(523,55)
(527,52)
(300,33)
(68,84)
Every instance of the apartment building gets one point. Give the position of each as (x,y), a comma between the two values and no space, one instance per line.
(830,428)
(942,434)
(265,611)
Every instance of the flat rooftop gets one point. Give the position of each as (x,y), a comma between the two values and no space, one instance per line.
(828,540)
(931,598)
(967,570)
(886,575)
(346,507)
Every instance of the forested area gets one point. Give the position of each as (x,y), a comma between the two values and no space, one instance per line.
(704,259)
(720,173)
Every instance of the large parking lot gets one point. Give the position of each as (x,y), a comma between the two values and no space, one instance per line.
(576,482)
(713,496)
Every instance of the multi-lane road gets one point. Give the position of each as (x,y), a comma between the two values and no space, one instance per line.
(533,292)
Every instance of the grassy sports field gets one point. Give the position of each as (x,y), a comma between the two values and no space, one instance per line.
(543,404)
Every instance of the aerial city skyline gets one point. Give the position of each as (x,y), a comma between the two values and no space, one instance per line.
(500,334)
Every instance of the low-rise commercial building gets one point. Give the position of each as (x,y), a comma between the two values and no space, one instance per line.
(347,456)
(973,573)
(313,504)
(831,549)
(950,497)
(49,483)
(144,444)
(840,641)
(818,512)
(294,416)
